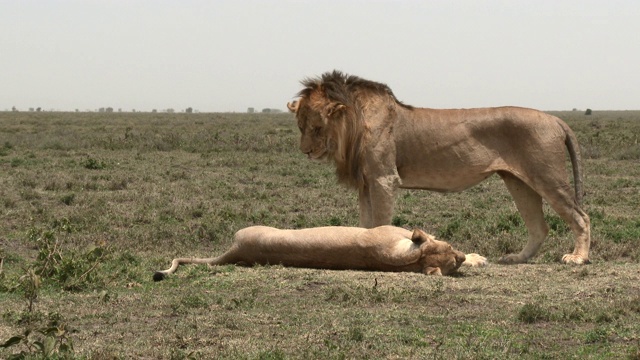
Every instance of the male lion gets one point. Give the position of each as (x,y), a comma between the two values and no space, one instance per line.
(385,248)
(379,144)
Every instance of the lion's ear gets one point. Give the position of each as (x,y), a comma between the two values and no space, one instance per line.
(420,237)
(293,106)
(334,109)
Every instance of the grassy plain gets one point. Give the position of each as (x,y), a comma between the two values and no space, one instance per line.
(93,203)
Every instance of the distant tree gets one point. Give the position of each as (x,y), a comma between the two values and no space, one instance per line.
(109,109)
(266,110)
(188,110)
(154,111)
(31,109)
(38,108)
(77,110)
(101,110)
(14,109)
(170,111)
(588,112)
(251,110)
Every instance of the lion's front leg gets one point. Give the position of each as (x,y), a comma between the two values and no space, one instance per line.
(377,201)
(364,199)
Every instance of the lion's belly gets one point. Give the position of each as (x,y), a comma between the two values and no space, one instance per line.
(447,165)
(442,181)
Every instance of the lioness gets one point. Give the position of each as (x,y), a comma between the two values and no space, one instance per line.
(379,144)
(384,248)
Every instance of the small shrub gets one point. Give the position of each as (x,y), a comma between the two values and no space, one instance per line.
(68,199)
(194,302)
(598,335)
(556,224)
(93,164)
(15,162)
(52,339)
(532,313)
(449,230)
(30,284)
(399,221)
(49,342)
(356,334)
(4,151)
(116,185)
(506,223)
(70,269)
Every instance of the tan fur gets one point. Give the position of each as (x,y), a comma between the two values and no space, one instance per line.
(379,144)
(385,248)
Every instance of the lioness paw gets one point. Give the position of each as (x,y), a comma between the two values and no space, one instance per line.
(572,259)
(475,260)
(433,271)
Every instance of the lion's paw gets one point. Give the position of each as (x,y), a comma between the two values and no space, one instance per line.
(475,260)
(511,259)
(572,259)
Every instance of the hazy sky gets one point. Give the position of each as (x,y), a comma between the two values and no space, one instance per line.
(231,55)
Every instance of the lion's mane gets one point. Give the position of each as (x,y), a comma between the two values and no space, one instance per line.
(348,130)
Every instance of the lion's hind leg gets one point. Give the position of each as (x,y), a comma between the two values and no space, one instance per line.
(567,208)
(529,204)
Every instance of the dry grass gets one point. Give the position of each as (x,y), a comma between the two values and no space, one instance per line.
(119,195)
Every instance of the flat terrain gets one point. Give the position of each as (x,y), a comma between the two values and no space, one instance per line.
(93,203)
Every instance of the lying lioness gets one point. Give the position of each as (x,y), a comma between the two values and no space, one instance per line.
(384,248)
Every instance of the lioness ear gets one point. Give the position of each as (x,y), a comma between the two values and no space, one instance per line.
(293,106)
(420,237)
(334,109)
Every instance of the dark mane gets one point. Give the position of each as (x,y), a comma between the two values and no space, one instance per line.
(342,88)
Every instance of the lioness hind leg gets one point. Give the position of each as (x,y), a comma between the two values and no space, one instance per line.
(529,204)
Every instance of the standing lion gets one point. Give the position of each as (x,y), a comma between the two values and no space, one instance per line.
(379,144)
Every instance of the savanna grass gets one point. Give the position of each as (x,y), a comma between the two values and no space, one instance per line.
(143,188)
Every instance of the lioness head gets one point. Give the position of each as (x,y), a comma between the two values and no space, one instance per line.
(438,257)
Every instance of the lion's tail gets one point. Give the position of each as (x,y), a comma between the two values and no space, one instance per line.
(573,147)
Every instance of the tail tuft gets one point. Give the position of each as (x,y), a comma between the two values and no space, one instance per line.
(158,276)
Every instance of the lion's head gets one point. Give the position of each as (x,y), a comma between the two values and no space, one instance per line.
(438,257)
(330,120)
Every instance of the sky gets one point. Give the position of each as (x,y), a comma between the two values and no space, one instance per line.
(229,55)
